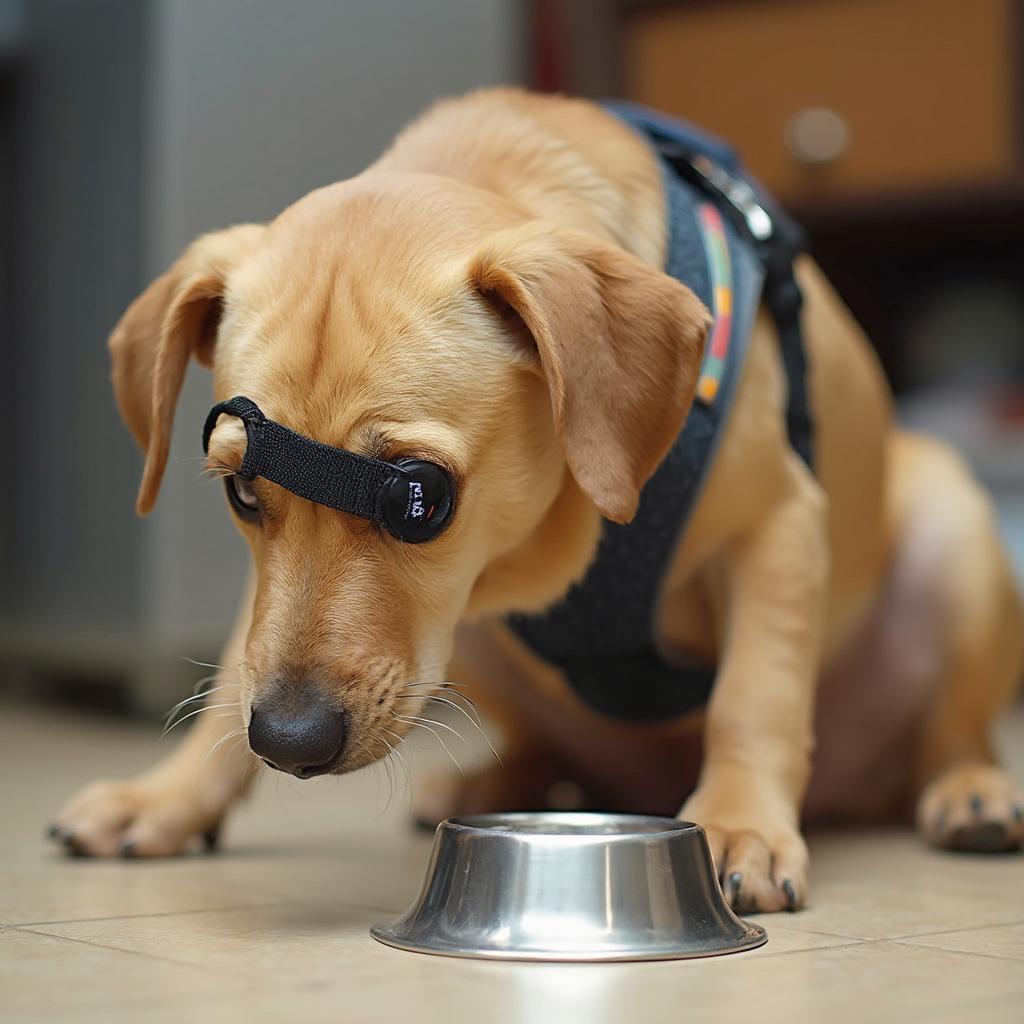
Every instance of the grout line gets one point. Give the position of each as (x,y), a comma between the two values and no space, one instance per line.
(284,901)
(817,931)
(810,949)
(959,952)
(158,913)
(896,938)
(137,953)
(955,931)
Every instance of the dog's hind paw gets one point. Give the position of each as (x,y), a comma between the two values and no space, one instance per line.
(143,817)
(974,808)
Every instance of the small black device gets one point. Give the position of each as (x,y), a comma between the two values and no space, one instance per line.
(411,498)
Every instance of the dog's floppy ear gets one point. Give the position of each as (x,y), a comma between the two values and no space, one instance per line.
(174,318)
(619,342)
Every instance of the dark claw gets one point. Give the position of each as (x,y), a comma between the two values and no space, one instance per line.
(74,846)
(787,888)
(128,849)
(211,838)
(977,804)
(53,832)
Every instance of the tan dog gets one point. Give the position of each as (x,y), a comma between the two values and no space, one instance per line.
(488,296)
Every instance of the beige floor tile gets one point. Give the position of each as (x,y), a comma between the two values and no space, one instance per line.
(300,941)
(896,856)
(1002,941)
(877,911)
(307,941)
(55,888)
(875,883)
(875,981)
(388,883)
(49,979)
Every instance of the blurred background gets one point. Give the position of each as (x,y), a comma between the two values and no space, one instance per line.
(894,129)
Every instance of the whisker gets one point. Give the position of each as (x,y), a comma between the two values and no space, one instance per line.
(432,721)
(388,768)
(474,719)
(192,714)
(207,664)
(422,722)
(406,784)
(452,686)
(240,744)
(235,733)
(393,749)
(477,724)
(195,696)
(401,760)
(470,702)
(404,739)
(443,684)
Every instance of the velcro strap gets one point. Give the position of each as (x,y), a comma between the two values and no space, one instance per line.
(334,477)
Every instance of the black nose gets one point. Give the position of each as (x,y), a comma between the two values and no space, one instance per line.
(299,731)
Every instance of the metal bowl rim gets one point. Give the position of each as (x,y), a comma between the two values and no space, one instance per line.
(630,825)
(386,934)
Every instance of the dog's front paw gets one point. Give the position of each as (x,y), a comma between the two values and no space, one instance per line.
(973,807)
(142,817)
(762,865)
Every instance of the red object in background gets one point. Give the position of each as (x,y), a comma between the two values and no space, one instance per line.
(549,71)
(1009,409)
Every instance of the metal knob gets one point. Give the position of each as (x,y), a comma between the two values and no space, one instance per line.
(817,135)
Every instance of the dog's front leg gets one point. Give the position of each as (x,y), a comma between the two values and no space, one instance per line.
(182,798)
(758,733)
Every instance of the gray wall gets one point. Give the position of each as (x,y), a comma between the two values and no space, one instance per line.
(136,126)
(72,134)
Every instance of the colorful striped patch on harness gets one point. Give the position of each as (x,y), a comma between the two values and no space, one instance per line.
(716,248)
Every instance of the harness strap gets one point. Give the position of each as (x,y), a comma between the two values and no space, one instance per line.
(785,300)
(777,240)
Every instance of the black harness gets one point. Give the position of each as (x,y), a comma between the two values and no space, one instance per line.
(732,246)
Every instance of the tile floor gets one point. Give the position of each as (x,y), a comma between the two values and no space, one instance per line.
(275,927)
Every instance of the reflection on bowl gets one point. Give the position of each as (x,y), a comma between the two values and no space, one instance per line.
(570,886)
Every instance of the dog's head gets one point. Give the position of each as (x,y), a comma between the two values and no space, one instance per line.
(548,372)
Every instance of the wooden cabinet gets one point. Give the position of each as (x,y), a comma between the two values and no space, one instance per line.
(835,104)
(840,98)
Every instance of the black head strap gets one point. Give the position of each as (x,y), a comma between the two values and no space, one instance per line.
(411,498)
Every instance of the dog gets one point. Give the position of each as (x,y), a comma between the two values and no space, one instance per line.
(488,296)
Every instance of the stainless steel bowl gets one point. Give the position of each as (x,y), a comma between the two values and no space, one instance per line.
(557,886)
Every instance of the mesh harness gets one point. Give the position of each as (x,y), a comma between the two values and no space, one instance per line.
(730,244)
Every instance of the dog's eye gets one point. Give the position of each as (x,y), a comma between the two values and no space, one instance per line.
(243,498)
